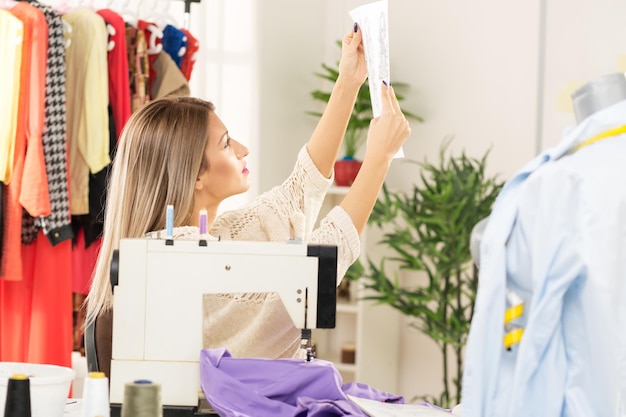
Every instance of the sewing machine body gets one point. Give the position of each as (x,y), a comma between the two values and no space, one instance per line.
(158,291)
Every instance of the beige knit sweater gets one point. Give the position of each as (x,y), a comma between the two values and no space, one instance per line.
(257,324)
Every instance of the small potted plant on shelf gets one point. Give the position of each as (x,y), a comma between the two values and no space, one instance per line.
(348,166)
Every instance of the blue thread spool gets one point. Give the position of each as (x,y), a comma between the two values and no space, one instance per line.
(169,222)
(169,225)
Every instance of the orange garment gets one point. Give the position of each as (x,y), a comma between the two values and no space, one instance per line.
(35,198)
(29,185)
(36,312)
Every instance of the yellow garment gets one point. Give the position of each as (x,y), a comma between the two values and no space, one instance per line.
(87,92)
(11,37)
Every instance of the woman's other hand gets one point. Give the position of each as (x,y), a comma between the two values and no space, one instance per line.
(386,135)
(352,65)
(389,131)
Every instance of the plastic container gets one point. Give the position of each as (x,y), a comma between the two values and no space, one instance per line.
(49,386)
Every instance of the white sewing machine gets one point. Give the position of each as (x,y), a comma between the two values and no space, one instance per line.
(158,291)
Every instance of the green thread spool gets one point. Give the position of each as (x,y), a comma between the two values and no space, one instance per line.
(18,397)
(142,398)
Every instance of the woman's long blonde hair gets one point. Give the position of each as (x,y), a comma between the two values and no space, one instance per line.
(159,156)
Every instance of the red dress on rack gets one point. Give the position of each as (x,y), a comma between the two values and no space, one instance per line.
(35,289)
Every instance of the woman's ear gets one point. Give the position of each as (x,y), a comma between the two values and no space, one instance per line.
(199,183)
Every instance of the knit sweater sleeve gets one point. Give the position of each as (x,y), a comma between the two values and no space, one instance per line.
(337,229)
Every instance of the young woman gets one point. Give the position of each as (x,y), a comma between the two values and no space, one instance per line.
(176,151)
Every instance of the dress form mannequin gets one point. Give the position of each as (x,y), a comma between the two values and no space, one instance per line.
(594,96)
(475,239)
(598,94)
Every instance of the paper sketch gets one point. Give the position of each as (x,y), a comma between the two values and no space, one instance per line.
(381,409)
(372,19)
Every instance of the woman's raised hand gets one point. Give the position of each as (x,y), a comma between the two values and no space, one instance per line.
(389,131)
(325,142)
(352,65)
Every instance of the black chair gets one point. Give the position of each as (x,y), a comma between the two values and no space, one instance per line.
(98,344)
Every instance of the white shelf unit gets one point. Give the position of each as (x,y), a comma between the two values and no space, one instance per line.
(374,330)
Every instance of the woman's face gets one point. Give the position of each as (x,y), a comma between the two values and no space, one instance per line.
(227,174)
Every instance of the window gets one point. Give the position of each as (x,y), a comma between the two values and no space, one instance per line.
(225,71)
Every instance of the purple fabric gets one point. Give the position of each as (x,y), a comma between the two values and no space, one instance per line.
(240,387)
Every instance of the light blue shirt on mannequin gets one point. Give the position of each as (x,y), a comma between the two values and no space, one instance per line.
(556,238)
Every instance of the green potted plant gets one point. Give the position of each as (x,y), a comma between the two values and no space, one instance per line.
(348,166)
(427,229)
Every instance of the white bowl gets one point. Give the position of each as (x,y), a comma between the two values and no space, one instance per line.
(49,386)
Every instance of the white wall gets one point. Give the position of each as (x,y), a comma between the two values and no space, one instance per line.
(492,74)
(290,43)
(584,40)
(473,67)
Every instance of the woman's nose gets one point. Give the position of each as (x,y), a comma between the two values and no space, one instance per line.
(241,150)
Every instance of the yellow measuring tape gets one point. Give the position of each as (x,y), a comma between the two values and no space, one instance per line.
(609,133)
(513,313)
(513,337)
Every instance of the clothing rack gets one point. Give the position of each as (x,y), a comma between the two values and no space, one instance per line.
(188,12)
